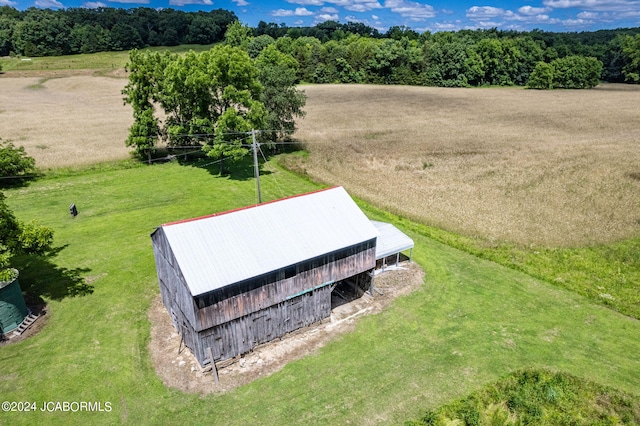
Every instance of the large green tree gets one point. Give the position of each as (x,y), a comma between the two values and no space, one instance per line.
(142,93)
(207,99)
(631,55)
(282,101)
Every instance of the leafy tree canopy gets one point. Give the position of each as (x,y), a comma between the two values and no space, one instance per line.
(631,54)
(15,164)
(207,98)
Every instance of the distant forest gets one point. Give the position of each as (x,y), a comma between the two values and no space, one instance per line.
(348,53)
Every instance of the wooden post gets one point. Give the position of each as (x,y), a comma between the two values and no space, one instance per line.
(371,286)
(255,164)
(180,344)
(213,365)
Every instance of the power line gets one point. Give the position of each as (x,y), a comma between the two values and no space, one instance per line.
(274,174)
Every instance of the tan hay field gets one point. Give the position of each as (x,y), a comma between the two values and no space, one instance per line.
(70,121)
(556,168)
(552,168)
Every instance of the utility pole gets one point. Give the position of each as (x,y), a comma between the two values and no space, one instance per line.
(255,164)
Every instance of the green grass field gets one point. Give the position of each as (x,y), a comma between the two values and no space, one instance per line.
(472,322)
(89,61)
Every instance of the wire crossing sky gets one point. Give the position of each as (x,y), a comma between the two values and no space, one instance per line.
(423,15)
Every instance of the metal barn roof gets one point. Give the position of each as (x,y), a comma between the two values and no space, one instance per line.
(391,240)
(229,247)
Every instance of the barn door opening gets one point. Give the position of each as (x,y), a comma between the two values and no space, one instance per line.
(351,289)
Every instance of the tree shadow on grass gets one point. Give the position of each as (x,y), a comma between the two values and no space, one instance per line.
(240,170)
(40,278)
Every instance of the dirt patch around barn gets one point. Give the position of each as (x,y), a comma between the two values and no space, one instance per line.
(177,367)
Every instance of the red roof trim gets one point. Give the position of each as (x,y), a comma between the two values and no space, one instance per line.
(248,207)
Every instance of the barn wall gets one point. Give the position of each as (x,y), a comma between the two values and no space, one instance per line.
(249,297)
(243,334)
(175,294)
(233,320)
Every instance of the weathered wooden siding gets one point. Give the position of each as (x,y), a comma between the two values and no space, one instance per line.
(243,334)
(277,287)
(174,291)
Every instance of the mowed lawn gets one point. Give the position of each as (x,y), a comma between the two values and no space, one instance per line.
(471,322)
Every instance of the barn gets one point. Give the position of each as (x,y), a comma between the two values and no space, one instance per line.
(235,279)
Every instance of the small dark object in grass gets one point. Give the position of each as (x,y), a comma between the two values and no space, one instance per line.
(635,176)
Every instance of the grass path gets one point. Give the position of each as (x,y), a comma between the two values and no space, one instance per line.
(472,322)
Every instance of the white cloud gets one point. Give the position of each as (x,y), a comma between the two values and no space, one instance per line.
(7,3)
(375,17)
(576,22)
(597,5)
(327,17)
(445,26)
(300,11)
(488,16)
(488,24)
(307,2)
(240,3)
(588,15)
(409,9)
(93,5)
(593,11)
(563,4)
(130,1)
(185,2)
(329,10)
(49,4)
(484,12)
(357,5)
(351,5)
(532,11)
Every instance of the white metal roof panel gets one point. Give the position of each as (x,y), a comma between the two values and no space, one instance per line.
(391,240)
(229,247)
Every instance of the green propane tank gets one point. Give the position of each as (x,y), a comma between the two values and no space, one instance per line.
(13,310)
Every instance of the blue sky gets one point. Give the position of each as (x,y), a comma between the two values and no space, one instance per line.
(420,15)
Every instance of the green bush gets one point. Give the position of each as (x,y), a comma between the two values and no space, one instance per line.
(576,72)
(17,237)
(539,397)
(541,77)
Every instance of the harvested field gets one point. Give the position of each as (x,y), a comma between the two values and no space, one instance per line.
(551,168)
(71,121)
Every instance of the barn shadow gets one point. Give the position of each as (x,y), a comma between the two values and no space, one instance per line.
(41,278)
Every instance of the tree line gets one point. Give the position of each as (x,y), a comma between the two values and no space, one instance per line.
(46,32)
(331,52)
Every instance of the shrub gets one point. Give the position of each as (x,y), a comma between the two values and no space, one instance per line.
(16,237)
(541,77)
